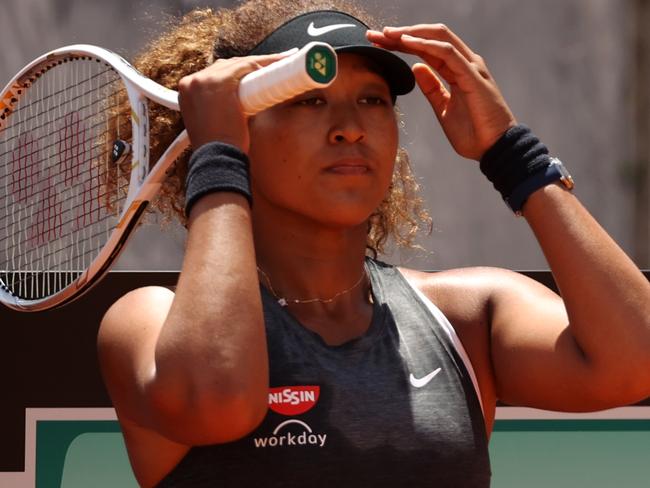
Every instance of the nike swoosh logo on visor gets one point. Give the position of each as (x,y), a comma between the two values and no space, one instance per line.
(420,382)
(314,31)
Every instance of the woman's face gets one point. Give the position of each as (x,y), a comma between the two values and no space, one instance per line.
(328,154)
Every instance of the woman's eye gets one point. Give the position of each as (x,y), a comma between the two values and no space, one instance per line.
(372,101)
(311,101)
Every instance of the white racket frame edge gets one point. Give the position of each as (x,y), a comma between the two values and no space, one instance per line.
(258,90)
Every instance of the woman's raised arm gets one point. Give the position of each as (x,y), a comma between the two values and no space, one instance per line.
(596,354)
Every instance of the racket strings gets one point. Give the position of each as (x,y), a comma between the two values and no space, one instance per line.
(38,236)
(20,173)
(39,284)
(60,193)
(71,267)
(43,181)
(75,255)
(63,92)
(77,216)
(46,124)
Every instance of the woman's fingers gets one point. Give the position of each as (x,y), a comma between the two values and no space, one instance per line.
(432,88)
(455,63)
(389,37)
(442,57)
(382,40)
(439,32)
(238,67)
(266,59)
(216,89)
(471,109)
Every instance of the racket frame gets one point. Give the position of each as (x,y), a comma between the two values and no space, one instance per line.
(144,182)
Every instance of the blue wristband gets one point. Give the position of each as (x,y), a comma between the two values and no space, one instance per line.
(553,172)
(518,164)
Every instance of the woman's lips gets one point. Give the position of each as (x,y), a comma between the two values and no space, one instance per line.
(348,170)
(348,167)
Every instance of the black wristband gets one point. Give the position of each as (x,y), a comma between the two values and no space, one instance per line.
(216,167)
(516,156)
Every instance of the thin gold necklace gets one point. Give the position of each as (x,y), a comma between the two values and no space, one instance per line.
(286,301)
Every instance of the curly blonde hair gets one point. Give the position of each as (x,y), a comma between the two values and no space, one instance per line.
(194,41)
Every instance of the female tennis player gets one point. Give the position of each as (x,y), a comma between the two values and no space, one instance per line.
(288,355)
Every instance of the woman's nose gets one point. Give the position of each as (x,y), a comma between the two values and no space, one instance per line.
(347,126)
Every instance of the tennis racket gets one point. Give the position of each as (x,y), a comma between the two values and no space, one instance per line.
(75,175)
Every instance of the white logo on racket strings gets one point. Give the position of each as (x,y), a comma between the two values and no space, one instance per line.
(314,31)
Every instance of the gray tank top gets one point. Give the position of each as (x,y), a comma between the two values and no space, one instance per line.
(395,407)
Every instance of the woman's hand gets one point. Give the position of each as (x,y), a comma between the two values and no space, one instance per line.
(209,101)
(472,110)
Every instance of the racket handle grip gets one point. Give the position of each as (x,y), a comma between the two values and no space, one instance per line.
(314,66)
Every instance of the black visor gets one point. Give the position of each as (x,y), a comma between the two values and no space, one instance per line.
(345,34)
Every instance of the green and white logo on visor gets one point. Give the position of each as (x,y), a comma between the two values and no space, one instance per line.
(321,64)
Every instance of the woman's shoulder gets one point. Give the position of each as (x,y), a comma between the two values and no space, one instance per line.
(449,283)
(467,296)
(137,301)
(143,296)
(132,320)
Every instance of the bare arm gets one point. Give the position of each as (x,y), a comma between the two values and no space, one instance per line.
(193,366)
(590,350)
(607,302)
(181,365)
(210,357)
